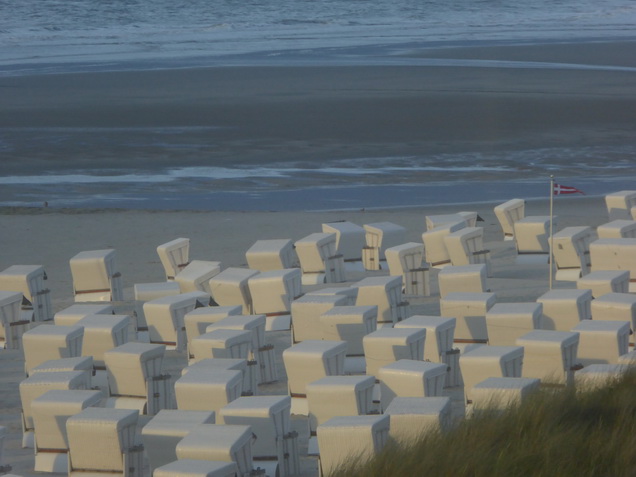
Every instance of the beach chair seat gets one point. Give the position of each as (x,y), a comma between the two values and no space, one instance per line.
(36,385)
(46,342)
(306,312)
(466,247)
(230,288)
(532,236)
(319,260)
(435,251)
(333,396)
(486,361)
(350,239)
(144,292)
(602,342)
(197,320)
(550,356)
(387,345)
(462,279)
(95,276)
(413,417)
(601,282)
(386,294)
(207,389)
(596,376)
(50,412)
(619,204)
(136,379)
(508,214)
(165,318)
(70,315)
(273,293)
(274,254)
(163,432)
(174,256)
(309,361)
(103,441)
(619,228)
(29,280)
(505,322)
(564,309)
(615,254)
(344,436)
(196,468)
(502,393)
(470,311)
(615,307)
(410,378)
(196,276)
(216,442)
(406,260)
(438,344)
(571,251)
(12,326)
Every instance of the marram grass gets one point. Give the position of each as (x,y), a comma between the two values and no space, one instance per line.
(556,432)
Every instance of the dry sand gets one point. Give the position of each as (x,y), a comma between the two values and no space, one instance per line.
(51,238)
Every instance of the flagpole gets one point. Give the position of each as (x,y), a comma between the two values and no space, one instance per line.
(551,222)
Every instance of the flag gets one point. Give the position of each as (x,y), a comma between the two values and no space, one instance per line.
(561,189)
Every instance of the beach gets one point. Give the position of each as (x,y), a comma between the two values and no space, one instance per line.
(51,238)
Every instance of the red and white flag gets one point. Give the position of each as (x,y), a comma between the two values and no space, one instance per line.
(561,189)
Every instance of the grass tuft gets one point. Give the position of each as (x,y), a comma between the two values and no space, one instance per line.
(556,432)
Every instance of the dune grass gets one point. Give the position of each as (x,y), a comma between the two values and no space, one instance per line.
(557,432)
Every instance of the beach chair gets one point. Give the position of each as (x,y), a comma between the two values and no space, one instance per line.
(406,260)
(344,436)
(104,442)
(433,221)
(196,468)
(274,254)
(215,442)
(247,369)
(350,239)
(508,213)
(378,237)
(532,239)
(144,292)
(230,288)
(174,256)
(619,204)
(95,276)
(386,294)
(70,315)
(505,322)
(615,307)
(46,342)
(413,417)
(222,343)
(550,356)
(306,312)
(564,309)
(272,295)
(136,379)
(207,389)
(197,320)
(274,447)
(50,412)
(435,251)
(163,432)
(462,279)
(619,228)
(12,326)
(597,376)
(502,393)
(466,247)
(470,311)
(165,318)
(615,254)
(29,280)
(196,276)
(387,345)
(602,282)
(410,378)
(602,342)
(319,260)
(571,251)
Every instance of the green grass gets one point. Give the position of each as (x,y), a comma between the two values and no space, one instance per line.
(557,432)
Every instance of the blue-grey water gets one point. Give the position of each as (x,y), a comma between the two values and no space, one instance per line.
(61,36)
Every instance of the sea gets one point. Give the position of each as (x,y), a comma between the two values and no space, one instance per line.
(45,37)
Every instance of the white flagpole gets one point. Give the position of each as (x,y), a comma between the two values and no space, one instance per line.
(551,222)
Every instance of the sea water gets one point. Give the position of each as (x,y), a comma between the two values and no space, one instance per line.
(60,36)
